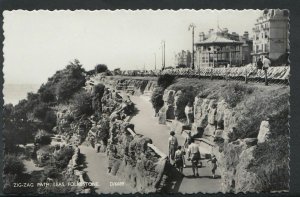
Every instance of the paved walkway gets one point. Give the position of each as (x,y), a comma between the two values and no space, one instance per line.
(96,169)
(146,124)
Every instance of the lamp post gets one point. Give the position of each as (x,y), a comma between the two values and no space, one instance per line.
(163,43)
(192,27)
(154,61)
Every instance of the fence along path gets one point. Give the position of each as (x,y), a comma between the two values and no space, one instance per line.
(278,75)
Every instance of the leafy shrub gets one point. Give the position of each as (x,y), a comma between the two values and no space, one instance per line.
(82,103)
(235,92)
(98,90)
(46,95)
(165,80)
(63,157)
(8,183)
(42,138)
(117,71)
(97,94)
(272,106)
(157,99)
(271,164)
(50,172)
(100,68)
(49,120)
(63,83)
(103,132)
(13,165)
(40,111)
(66,88)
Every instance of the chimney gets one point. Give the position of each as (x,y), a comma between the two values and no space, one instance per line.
(246,35)
(201,36)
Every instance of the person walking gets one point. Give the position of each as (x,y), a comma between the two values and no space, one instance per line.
(194,156)
(213,161)
(173,144)
(187,141)
(179,159)
(266,66)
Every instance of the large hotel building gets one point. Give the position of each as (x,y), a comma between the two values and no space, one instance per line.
(270,37)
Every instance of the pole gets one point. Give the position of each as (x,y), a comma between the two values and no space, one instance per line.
(192,27)
(193,64)
(230,56)
(154,61)
(164,54)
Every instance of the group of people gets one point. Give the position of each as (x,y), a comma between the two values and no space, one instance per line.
(192,150)
(264,65)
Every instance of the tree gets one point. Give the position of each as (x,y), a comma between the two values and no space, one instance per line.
(63,157)
(157,99)
(13,165)
(42,137)
(100,68)
(165,80)
(97,94)
(82,103)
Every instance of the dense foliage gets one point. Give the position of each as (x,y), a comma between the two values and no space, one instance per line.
(63,157)
(157,99)
(64,83)
(97,94)
(13,165)
(42,138)
(81,103)
(100,68)
(165,80)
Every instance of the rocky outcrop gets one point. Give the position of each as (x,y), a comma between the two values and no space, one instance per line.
(129,155)
(243,144)
(132,159)
(264,132)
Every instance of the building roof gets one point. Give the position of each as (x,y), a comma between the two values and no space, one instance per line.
(218,39)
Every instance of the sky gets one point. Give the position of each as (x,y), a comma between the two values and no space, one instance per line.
(38,43)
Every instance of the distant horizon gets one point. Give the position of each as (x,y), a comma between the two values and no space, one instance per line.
(38,43)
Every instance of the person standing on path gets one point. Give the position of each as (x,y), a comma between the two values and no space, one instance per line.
(187,142)
(266,66)
(259,64)
(194,156)
(173,144)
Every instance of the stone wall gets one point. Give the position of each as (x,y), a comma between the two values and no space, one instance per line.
(216,122)
(131,158)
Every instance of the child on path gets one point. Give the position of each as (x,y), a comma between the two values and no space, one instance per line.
(213,160)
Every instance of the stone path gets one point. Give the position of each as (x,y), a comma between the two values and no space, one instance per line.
(146,124)
(96,169)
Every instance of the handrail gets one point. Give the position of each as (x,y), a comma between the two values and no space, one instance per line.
(159,152)
(131,132)
(205,141)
